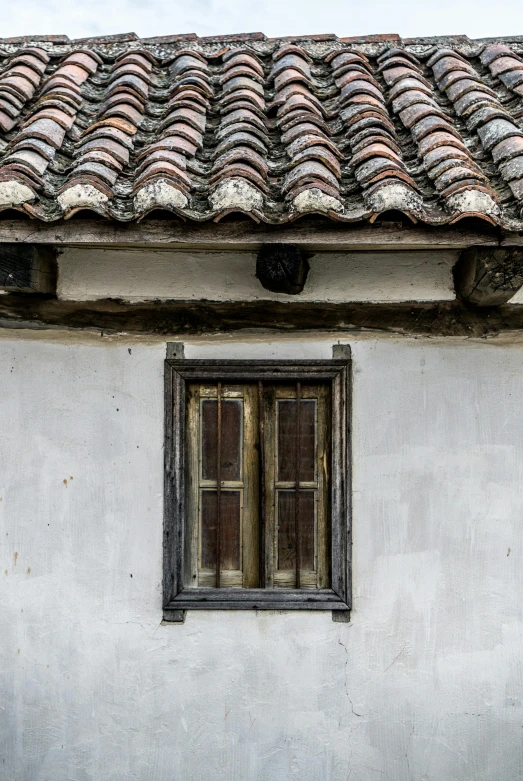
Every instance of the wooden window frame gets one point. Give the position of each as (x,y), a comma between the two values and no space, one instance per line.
(176,567)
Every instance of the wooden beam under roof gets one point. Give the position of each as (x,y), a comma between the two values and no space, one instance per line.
(180,318)
(312,234)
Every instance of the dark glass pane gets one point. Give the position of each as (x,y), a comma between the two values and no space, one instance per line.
(229,525)
(231,439)
(286,537)
(287,440)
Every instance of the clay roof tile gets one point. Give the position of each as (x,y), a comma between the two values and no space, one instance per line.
(281,115)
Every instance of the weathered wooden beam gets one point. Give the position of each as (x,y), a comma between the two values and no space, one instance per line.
(282,268)
(177,319)
(313,234)
(27,267)
(488,276)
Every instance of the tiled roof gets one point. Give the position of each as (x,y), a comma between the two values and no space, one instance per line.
(351,128)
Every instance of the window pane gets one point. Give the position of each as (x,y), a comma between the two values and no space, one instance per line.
(229,526)
(287,440)
(286,536)
(231,439)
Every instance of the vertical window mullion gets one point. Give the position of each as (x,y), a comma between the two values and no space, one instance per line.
(297,481)
(261,439)
(218,482)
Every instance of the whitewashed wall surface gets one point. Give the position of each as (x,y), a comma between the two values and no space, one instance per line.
(138,275)
(424,684)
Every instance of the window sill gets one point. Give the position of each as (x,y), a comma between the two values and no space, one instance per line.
(255,599)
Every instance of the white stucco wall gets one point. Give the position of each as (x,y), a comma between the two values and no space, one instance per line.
(424,684)
(138,275)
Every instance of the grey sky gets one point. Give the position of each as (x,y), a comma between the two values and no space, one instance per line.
(475,18)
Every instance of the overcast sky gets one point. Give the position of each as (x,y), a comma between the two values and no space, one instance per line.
(79,18)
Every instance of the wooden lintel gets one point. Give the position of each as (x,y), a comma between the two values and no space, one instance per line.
(177,319)
(317,234)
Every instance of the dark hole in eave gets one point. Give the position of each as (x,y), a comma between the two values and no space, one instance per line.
(476,223)
(237,217)
(394,215)
(320,219)
(162,214)
(14,214)
(87,214)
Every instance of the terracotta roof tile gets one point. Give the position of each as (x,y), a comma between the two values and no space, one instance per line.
(274,128)
(383,38)
(485,115)
(58,39)
(100,39)
(236,37)
(170,38)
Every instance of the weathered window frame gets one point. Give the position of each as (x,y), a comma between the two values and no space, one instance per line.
(176,596)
